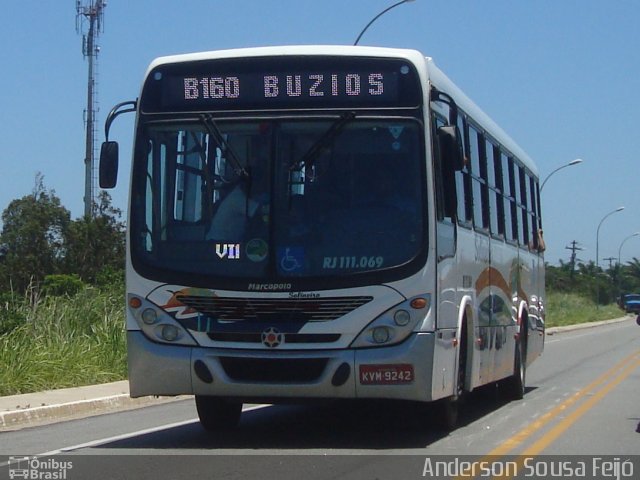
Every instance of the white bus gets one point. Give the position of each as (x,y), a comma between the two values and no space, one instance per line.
(324,222)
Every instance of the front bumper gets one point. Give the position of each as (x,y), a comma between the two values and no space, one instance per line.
(276,376)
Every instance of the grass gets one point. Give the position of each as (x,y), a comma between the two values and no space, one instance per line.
(570,309)
(64,341)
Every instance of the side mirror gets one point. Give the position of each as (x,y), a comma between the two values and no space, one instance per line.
(450,143)
(108,164)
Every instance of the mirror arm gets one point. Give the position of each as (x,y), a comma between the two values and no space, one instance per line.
(115,112)
(439,96)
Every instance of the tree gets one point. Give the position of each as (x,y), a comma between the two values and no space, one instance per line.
(33,233)
(96,244)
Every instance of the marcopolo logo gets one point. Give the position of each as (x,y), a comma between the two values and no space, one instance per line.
(34,468)
(268,287)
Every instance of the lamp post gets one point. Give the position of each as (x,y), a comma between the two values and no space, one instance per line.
(570,164)
(619,209)
(378,16)
(637,234)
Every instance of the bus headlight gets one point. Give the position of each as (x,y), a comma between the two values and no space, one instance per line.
(394,325)
(402,318)
(156,324)
(169,332)
(149,316)
(381,334)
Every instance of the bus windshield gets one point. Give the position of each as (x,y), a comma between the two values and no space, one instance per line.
(278,198)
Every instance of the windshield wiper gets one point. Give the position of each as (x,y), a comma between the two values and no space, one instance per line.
(323,142)
(214,131)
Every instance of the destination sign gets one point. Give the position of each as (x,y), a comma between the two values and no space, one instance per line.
(265,83)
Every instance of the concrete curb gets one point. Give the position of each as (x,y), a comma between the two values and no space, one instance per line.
(583,326)
(16,411)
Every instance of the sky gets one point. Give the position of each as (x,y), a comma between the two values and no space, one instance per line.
(560,76)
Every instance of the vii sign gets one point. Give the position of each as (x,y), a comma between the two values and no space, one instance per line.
(229,250)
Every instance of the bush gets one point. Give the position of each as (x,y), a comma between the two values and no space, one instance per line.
(62,285)
(12,313)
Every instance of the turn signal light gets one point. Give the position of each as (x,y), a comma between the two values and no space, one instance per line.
(135,302)
(419,303)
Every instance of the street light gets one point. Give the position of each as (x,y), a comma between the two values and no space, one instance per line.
(570,164)
(378,16)
(637,234)
(619,209)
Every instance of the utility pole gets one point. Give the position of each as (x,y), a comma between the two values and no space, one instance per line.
(90,12)
(610,260)
(574,248)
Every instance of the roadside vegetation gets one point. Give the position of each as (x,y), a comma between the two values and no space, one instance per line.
(564,309)
(62,294)
(62,340)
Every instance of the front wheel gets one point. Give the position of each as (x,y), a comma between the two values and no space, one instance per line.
(217,414)
(449,408)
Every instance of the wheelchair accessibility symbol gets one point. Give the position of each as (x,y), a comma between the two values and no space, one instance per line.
(291,258)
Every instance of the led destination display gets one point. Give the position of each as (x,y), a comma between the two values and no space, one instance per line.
(294,82)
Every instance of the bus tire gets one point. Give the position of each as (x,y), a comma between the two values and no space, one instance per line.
(514,386)
(217,414)
(449,407)
(448,412)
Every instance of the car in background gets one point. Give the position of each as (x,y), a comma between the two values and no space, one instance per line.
(630,303)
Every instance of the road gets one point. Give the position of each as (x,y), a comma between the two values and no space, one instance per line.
(582,399)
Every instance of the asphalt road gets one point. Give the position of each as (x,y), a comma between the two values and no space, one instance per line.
(582,399)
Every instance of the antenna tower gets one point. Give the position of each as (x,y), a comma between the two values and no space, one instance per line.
(89,22)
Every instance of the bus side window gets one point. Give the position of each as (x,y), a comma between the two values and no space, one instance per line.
(480,219)
(526,227)
(464,197)
(496,209)
(506,196)
(498,193)
(445,178)
(514,194)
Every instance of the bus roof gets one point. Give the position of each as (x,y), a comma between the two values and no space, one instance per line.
(427,69)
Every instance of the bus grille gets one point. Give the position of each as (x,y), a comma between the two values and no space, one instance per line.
(273,309)
(252,337)
(273,370)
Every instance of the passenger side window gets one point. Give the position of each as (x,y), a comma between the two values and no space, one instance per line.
(480,206)
(514,186)
(463,181)
(506,196)
(526,225)
(494,190)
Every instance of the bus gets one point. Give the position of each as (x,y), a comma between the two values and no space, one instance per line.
(324,222)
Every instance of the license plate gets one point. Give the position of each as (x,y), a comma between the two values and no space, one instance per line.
(386,374)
